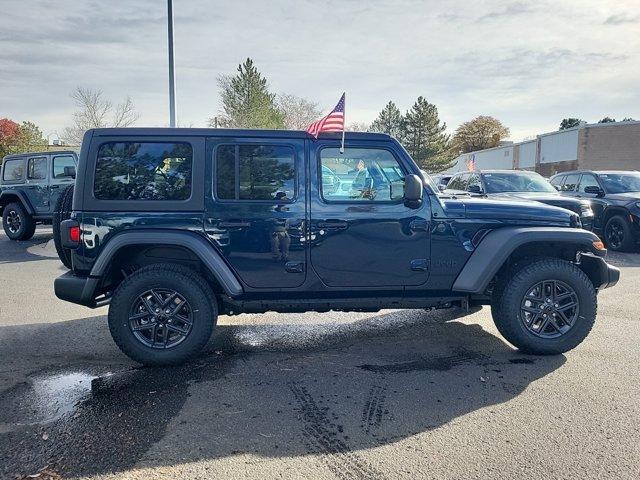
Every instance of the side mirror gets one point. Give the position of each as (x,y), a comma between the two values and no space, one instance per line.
(413,191)
(594,190)
(442,187)
(474,189)
(70,171)
(557,187)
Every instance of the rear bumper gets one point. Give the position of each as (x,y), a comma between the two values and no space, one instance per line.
(599,271)
(79,290)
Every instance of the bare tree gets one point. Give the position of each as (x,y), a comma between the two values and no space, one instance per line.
(298,112)
(358,127)
(95,111)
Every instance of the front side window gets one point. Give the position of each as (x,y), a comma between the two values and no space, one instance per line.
(255,172)
(37,168)
(459,182)
(61,161)
(13,170)
(571,183)
(360,174)
(143,171)
(557,181)
(588,180)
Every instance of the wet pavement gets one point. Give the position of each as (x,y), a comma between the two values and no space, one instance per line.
(395,394)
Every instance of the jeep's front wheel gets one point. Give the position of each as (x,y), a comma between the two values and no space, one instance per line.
(546,307)
(162,314)
(17,223)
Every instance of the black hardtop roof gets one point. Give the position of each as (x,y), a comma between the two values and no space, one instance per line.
(46,152)
(229,132)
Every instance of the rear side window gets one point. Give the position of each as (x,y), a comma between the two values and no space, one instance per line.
(557,181)
(13,170)
(143,171)
(255,172)
(37,168)
(571,183)
(60,162)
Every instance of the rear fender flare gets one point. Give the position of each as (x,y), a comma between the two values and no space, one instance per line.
(6,198)
(199,246)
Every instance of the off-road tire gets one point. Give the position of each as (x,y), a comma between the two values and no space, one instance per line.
(61,212)
(506,306)
(624,227)
(27,223)
(183,280)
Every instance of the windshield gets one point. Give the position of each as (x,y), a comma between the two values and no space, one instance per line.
(621,182)
(516,182)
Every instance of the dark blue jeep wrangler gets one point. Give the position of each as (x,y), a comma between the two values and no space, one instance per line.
(173,227)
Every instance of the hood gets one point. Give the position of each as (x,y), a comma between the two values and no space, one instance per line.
(623,197)
(514,210)
(555,199)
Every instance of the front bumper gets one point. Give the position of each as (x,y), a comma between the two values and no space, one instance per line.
(599,271)
(79,290)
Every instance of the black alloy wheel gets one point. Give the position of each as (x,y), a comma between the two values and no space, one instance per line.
(549,309)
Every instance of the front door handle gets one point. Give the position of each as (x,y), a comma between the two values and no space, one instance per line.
(333,225)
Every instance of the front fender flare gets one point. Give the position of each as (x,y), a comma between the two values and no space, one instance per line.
(209,256)
(498,245)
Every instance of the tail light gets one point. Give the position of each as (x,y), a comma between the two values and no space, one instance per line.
(70,234)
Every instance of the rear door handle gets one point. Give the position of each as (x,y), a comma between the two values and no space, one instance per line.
(333,225)
(234,224)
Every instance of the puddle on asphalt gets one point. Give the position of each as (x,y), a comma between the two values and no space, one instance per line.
(45,398)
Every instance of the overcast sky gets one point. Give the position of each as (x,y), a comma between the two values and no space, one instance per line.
(527,63)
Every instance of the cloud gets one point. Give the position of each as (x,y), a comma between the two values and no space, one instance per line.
(511,10)
(621,19)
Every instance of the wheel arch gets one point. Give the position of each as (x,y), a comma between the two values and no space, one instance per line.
(613,211)
(11,196)
(509,244)
(146,247)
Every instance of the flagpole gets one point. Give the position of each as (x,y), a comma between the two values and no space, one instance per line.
(344,122)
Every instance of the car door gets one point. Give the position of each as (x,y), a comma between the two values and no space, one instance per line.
(598,204)
(59,181)
(362,234)
(37,186)
(255,210)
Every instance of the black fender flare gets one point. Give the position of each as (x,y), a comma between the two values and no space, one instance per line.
(192,241)
(21,196)
(499,244)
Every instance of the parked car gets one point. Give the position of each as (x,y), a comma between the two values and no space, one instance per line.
(442,179)
(30,184)
(517,184)
(387,241)
(615,199)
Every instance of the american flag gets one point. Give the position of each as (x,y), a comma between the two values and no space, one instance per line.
(334,122)
(471,162)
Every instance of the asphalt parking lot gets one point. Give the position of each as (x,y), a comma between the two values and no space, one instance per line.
(394,394)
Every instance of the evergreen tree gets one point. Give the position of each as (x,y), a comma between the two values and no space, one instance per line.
(246,101)
(424,137)
(389,121)
(570,123)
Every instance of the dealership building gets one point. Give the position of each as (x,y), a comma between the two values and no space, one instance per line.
(599,146)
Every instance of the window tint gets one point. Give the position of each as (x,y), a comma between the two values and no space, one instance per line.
(143,171)
(474,180)
(59,163)
(459,182)
(557,181)
(13,169)
(255,172)
(571,183)
(361,174)
(37,168)
(588,180)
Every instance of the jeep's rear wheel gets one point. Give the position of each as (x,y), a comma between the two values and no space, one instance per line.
(61,212)
(162,314)
(546,307)
(17,223)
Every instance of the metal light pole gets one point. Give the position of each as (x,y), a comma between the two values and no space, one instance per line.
(172,81)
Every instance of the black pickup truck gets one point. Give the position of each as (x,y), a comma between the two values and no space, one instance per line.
(30,184)
(195,223)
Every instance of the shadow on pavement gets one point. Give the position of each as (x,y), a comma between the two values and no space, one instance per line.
(16,252)
(271,390)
